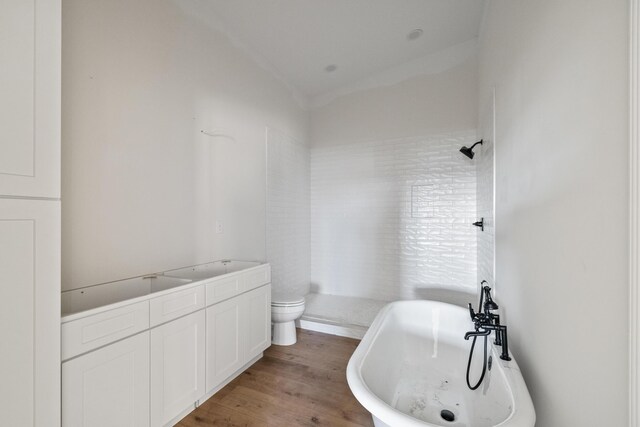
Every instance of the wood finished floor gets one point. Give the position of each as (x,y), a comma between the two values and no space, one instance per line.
(300,385)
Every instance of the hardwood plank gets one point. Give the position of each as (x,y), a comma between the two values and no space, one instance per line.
(320,376)
(334,401)
(327,357)
(270,407)
(300,385)
(215,414)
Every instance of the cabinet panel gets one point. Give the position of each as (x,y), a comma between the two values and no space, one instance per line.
(17,45)
(30,98)
(257,333)
(225,352)
(176,304)
(30,312)
(177,367)
(88,333)
(108,387)
(255,278)
(222,289)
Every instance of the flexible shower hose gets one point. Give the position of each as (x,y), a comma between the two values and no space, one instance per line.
(473,345)
(484,364)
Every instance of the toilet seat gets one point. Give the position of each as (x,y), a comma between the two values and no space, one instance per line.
(286,301)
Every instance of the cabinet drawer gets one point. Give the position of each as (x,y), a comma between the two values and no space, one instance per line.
(223,289)
(176,304)
(82,335)
(255,278)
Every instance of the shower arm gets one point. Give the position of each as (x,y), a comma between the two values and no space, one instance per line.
(479,142)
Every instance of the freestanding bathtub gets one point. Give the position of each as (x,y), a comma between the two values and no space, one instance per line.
(411,365)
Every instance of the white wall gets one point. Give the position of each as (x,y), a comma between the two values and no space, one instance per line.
(288,215)
(561,75)
(142,187)
(425,105)
(369,150)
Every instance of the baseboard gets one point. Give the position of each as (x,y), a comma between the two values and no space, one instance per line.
(349,331)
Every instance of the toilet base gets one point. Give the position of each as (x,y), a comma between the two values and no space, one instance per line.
(284,333)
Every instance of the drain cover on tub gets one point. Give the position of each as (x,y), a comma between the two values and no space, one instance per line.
(447,415)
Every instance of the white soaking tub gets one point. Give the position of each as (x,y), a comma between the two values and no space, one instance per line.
(411,365)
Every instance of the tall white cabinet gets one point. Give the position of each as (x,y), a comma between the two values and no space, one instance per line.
(30,84)
(30,212)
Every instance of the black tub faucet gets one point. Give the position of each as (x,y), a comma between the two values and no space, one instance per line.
(486,321)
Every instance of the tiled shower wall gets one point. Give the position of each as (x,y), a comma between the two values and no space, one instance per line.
(288,218)
(392,219)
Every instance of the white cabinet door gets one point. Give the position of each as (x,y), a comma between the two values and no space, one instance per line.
(177,367)
(225,349)
(30,312)
(257,329)
(238,329)
(108,387)
(30,98)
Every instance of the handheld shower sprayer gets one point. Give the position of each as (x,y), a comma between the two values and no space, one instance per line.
(489,304)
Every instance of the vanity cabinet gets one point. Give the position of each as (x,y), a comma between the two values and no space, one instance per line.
(151,360)
(108,387)
(177,367)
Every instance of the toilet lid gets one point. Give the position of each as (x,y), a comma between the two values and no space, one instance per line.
(286,300)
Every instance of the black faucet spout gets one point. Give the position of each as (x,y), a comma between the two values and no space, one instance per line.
(477,334)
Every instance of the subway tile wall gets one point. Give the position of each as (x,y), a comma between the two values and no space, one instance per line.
(392,219)
(288,217)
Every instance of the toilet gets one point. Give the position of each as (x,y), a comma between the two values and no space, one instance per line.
(285,309)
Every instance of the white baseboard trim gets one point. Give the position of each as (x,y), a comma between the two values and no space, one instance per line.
(349,331)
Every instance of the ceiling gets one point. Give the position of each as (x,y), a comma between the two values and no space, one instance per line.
(298,39)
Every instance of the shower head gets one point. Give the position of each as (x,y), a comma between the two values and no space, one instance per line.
(468,151)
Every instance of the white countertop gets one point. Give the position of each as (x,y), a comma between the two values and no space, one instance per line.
(81,302)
